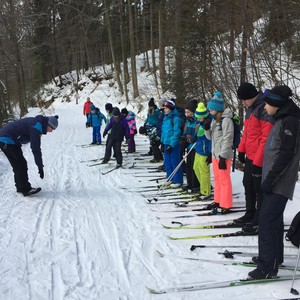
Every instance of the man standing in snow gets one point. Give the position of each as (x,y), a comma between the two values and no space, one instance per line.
(87,107)
(16,133)
(279,176)
(257,127)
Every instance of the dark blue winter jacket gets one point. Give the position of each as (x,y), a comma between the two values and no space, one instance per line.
(119,128)
(26,130)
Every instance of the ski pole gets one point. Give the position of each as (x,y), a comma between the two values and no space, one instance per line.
(164,185)
(294,291)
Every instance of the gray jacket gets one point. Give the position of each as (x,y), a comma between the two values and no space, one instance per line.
(282,151)
(222,136)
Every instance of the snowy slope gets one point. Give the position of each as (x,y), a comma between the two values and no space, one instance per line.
(87,237)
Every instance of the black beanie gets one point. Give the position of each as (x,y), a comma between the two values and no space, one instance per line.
(142,130)
(278,96)
(116,112)
(191,105)
(108,107)
(124,111)
(246,91)
(151,103)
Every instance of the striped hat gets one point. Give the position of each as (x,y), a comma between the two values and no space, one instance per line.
(216,102)
(201,111)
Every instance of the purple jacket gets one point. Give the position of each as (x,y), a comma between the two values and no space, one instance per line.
(26,130)
(119,128)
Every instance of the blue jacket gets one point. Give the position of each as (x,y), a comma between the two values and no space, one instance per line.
(159,122)
(190,131)
(152,119)
(96,119)
(203,144)
(26,130)
(171,129)
(119,128)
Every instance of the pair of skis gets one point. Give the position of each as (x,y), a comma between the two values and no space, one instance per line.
(219,284)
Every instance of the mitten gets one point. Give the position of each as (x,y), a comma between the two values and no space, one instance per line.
(242,157)
(206,123)
(222,163)
(41,172)
(208,159)
(169,149)
(256,171)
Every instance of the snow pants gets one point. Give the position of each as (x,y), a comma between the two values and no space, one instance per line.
(191,178)
(253,193)
(18,162)
(131,144)
(96,134)
(271,232)
(116,145)
(171,161)
(223,185)
(202,171)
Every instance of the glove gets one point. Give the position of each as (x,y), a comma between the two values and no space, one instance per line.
(104,134)
(208,159)
(266,186)
(256,171)
(169,149)
(41,172)
(222,163)
(182,139)
(206,123)
(242,157)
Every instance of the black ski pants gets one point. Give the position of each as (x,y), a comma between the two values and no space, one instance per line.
(157,154)
(19,164)
(191,178)
(271,232)
(253,193)
(116,145)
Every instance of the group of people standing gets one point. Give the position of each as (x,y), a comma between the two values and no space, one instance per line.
(269,149)
(118,125)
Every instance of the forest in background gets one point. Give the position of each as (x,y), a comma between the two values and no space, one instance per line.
(200,46)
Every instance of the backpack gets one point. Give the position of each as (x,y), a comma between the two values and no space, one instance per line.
(293,234)
(99,114)
(237,131)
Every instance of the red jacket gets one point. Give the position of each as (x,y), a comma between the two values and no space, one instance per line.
(257,127)
(86,107)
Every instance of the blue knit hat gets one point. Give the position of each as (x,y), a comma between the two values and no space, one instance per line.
(201,111)
(92,107)
(216,102)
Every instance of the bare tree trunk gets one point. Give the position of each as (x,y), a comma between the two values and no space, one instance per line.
(132,51)
(152,9)
(115,62)
(179,89)
(162,52)
(124,56)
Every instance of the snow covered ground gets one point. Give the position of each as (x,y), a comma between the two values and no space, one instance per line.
(93,237)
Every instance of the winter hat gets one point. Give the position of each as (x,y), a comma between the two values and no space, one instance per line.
(161,101)
(116,112)
(124,111)
(151,103)
(201,111)
(278,96)
(246,91)
(53,122)
(191,105)
(216,102)
(169,104)
(108,107)
(92,107)
(142,130)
